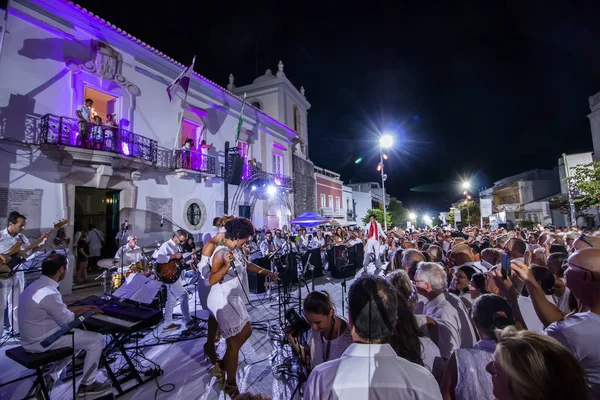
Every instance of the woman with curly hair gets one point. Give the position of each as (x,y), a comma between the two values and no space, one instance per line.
(226,298)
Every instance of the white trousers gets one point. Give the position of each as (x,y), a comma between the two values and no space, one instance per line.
(176,291)
(91,342)
(10,290)
(372,246)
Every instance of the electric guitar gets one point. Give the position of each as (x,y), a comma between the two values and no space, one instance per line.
(15,254)
(170,271)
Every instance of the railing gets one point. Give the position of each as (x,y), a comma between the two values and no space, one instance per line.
(71,132)
(195,161)
(339,213)
(279,179)
(326,212)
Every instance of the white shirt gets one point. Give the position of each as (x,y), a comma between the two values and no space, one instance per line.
(130,256)
(95,238)
(267,248)
(371,371)
(303,243)
(432,358)
(41,311)
(165,250)
(85,112)
(377,226)
(122,237)
(449,326)
(316,242)
(468,338)
(579,334)
(7,241)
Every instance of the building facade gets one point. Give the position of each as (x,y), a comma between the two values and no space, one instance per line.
(329,194)
(55,55)
(594,117)
(524,196)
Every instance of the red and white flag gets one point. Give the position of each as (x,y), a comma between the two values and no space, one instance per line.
(180,86)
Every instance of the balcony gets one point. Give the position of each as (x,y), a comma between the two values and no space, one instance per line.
(194,161)
(326,212)
(283,181)
(97,141)
(339,213)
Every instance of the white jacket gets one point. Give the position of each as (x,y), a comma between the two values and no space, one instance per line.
(380,230)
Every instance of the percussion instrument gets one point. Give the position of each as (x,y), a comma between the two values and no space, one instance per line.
(107,263)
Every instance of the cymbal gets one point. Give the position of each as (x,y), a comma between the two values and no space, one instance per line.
(107,263)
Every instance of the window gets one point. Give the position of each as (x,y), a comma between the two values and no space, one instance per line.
(337,203)
(323,204)
(277,164)
(256,104)
(104,103)
(330,198)
(192,130)
(296,119)
(193,214)
(347,204)
(244,150)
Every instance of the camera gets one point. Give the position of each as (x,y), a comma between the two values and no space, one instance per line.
(296,321)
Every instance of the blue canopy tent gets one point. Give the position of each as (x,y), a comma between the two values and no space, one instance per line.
(309,219)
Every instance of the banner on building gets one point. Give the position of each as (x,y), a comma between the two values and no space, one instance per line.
(485,205)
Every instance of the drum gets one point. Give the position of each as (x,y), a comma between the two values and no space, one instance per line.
(117,281)
(139,268)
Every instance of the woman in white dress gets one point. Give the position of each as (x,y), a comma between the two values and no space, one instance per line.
(465,376)
(226,298)
(204,268)
(329,335)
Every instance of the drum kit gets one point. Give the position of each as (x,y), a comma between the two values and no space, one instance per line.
(114,276)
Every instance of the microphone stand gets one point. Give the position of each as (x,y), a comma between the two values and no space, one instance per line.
(121,261)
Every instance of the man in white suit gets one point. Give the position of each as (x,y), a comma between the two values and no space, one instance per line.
(373,232)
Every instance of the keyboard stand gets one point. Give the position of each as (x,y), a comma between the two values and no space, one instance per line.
(118,344)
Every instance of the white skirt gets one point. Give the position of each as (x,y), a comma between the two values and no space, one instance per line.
(226,304)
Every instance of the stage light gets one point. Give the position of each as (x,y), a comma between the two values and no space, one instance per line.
(412,216)
(385,157)
(271,190)
(358,160)
(253,187)
(466,185)
(379,167)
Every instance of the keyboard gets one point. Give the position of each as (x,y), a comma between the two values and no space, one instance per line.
(120,316)
(114,320)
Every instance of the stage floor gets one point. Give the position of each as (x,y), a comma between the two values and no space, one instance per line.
(183,362)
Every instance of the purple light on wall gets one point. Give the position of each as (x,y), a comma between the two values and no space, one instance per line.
(277,181)
(125,149)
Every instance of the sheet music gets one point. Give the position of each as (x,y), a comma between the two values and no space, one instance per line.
(140,289)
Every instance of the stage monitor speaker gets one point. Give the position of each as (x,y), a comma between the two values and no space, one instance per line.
(233,175)
(339,265)
(315,260)
(256,282)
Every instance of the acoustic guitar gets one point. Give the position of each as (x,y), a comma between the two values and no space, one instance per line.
(15,254)
(170,271)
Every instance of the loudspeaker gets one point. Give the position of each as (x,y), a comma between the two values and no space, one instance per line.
(339,265)
(315,260)
(233,175)
(256,282)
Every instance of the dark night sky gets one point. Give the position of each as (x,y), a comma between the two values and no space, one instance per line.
(471,90)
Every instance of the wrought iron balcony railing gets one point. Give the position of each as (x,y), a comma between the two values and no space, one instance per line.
(65,131)
(339,213)
(279,179)
(195,161)
(326,212)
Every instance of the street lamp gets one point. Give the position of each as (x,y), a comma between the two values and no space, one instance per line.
(385,142)
(466,185)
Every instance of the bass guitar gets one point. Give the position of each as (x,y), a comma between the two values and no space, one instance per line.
(15,254)
(170,271)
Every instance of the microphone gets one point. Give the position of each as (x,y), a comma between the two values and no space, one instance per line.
(162,218)
(73,324)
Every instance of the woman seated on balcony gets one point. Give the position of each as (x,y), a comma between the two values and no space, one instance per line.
(97,133)
(110,130)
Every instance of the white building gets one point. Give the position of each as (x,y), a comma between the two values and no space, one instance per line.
(525,196)
(348,202)
(55,55)
(572,161)
(594,117)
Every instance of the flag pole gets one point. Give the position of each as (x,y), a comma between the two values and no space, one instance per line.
(241,121)
(176,144)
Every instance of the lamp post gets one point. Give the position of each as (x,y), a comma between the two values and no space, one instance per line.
(466,185)
(385,142)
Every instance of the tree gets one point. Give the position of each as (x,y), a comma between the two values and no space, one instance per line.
(398,212)
(471,217)
(585,186)
(378,216)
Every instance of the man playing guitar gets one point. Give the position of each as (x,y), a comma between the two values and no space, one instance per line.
(11,288)
(171,250)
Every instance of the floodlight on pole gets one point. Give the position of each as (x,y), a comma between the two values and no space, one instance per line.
(386,141)
(466,185)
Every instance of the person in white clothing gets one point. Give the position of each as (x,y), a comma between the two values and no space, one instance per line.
(122,236)
(95,242)
(465,376)
(43,312)
(373,232)
(370,368)
(225,299)
(267,246)
(431,282)
(12,287)
(171,250)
